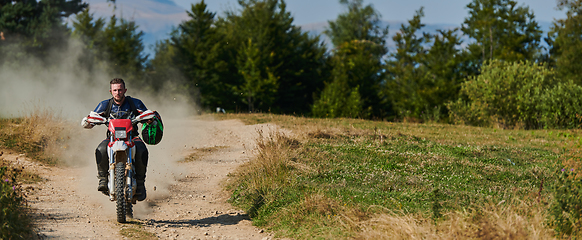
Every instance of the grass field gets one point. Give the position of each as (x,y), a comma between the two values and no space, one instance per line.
(347,178)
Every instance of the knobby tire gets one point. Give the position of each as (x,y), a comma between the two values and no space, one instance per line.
(120,191)
(128,203)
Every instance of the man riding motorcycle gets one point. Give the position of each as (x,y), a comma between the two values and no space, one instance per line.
(120,102)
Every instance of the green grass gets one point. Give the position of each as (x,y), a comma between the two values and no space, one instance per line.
(360,168)
(403,172)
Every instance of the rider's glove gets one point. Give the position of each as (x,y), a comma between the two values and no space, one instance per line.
(86,123)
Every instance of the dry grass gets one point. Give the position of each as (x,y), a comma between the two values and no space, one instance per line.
(39,134)
(517,220)
(443,133)
(272,161)
(314,213)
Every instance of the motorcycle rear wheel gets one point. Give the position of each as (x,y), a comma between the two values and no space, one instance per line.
(120,191)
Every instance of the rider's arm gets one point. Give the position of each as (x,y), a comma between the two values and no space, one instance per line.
(139,105)
(100,109)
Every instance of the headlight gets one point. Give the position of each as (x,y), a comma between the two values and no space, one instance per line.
(120,134)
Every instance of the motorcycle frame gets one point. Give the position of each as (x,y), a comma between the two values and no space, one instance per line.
(117,146)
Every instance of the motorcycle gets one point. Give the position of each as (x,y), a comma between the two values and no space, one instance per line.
(121,152)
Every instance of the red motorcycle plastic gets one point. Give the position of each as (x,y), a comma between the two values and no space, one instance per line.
(121,153)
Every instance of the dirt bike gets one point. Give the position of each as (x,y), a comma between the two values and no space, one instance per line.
(121,152)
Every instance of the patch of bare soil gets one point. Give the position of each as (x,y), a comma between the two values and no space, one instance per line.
(186,199)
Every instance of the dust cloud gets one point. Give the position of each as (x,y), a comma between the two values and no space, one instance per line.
(65,89)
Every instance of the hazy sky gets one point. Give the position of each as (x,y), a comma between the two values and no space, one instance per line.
(436,11)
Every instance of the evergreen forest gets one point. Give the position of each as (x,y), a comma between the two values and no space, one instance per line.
(508,74)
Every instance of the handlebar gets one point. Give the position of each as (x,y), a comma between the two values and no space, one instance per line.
(96,119)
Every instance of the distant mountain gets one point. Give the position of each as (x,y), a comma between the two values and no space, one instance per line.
(156,18)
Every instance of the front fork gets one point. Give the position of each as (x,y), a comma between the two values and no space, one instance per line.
(114,157)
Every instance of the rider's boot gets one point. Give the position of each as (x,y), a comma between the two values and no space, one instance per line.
(103,180)
(140,192)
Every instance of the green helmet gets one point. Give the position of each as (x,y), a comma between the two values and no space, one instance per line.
(152,133)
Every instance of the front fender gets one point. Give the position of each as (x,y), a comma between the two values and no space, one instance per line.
(119,146)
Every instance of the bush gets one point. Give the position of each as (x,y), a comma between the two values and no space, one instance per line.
(519,94)
(561,106)
(14,224)
(338,101)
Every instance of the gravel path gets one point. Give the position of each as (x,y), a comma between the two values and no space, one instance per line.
(186,199)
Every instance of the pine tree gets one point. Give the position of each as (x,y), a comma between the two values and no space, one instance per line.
(258,91)
(34,28)
(162,71)
(359,47)
(115,46)
(359,23)
(199,53)
(124,44)
(501,30)
(405,71)
(351,66)
(445,68)
(90,32)
(565,42)
(294,57)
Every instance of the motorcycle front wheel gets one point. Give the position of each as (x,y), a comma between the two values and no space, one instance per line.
(120,191)
(129,201)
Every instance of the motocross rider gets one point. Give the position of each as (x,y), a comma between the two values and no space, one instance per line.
(120,103)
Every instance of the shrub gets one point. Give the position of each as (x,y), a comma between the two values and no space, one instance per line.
(561,106)
(338,101)
(518,94)
(14,224)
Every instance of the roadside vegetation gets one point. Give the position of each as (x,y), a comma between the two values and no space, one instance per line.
(349,178)
(14,222)
(36,136)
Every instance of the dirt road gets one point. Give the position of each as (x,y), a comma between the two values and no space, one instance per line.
(186,200)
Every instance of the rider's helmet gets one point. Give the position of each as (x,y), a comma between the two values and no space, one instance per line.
(152,133)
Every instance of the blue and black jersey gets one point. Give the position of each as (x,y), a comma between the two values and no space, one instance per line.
(125,106)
